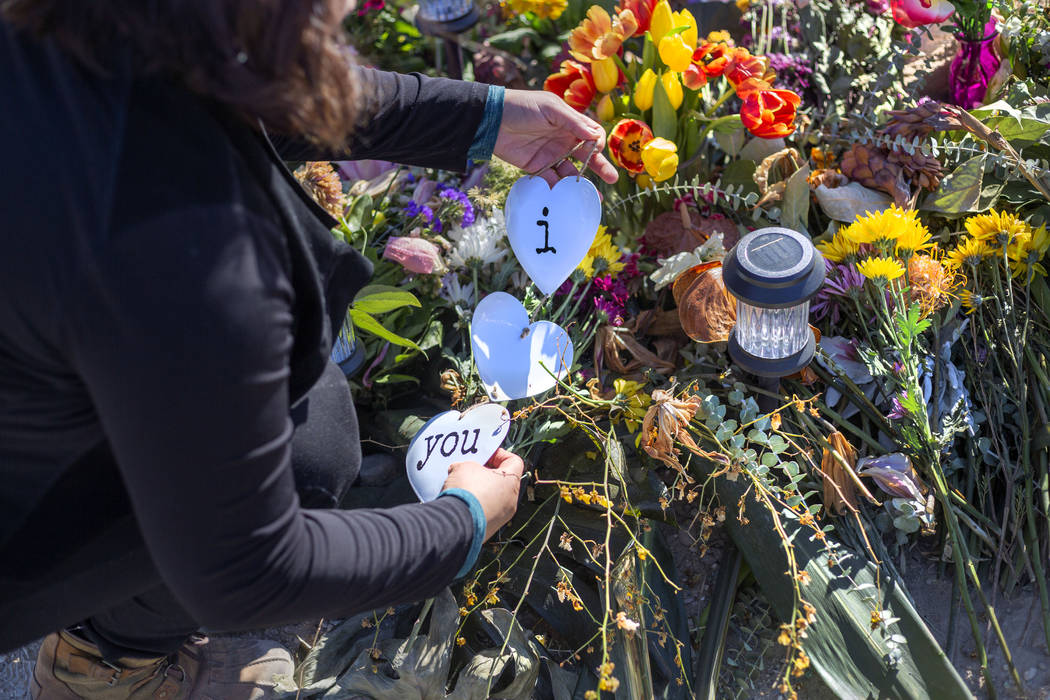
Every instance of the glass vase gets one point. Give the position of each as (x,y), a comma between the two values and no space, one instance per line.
(972,69)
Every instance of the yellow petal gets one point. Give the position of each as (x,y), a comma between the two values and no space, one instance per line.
(673,88)
(674,52)
(643,90)
(662,21)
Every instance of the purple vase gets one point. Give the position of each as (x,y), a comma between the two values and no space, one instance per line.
(972,69)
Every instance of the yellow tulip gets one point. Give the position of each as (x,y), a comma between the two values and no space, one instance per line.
(685,19)
(662,21)
(675,53)
(644,181)
(605,73)
(660,158)
(643,91)
(673,88)
(605,110)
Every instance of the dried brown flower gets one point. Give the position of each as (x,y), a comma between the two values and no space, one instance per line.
(322,183)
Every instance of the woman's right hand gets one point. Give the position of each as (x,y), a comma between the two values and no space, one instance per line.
(495,485)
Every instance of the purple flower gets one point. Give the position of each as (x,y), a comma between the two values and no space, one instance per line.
(898,411)
(898,368)
(611,309)
(843,281)
(452,195)
(414,209)
(893,473)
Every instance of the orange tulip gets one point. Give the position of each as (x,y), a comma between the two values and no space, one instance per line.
(600,36)
(626,142)
(766,112)
(574,84)
(642,11)
(712,59)
(742,65)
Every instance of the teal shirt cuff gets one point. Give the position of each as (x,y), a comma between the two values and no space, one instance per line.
(488,129)
(477,514)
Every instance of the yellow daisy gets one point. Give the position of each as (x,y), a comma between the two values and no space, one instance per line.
(914,238)
(839,248)
(635,402)
(969,300)
(882,229)
(1025,252)
(603,257)
(971,251)
(997,228)
(881,270)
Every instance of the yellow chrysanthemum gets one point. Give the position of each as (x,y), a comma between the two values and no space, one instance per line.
(839,249)
(883,229)
(881,270)
(997,228)
(720,37)
(970,252)
(603,256)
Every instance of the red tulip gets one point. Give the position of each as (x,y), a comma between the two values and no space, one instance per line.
(742,65)
(766,112)
(626,142)
(574,84)
(642,11)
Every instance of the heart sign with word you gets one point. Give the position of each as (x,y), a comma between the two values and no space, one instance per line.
(450,437)
(516,359)
(551,230)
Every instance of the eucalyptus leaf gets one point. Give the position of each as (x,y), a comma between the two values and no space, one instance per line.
(794,212)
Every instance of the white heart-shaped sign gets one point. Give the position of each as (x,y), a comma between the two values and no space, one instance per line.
(551,230)
(515,358)
(471,436)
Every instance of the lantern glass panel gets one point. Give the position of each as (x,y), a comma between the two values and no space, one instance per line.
(772,333)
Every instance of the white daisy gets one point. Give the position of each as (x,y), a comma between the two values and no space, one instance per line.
(480,244)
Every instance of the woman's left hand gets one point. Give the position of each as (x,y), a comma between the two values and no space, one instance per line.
(538,128)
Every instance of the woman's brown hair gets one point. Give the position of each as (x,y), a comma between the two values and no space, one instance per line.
(282,61)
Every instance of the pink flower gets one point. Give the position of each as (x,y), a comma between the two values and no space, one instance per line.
(915,13)
(415,255)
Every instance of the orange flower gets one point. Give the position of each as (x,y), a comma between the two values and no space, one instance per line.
(626,142)
(742,65)
(642,11)
(574,84)
(767,113)
(712,58)
(600,36)
(694,76)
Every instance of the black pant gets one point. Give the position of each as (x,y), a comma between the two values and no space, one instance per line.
(80,557)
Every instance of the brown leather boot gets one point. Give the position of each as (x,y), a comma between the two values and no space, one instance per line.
(68,668)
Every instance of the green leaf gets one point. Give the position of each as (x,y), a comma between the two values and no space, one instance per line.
(664,119)
(794,212)
(380,298)
(394,379)
(960,191)
(844,652)
(365,322)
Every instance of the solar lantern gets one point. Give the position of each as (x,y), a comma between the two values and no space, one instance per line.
(446,19)
(773,273)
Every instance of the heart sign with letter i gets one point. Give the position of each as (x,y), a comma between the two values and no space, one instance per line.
(515,358)
(551,230)
(471,436)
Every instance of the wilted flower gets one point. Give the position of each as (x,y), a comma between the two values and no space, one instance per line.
(625,623)
(839,488)
(322,182)
(667,421)
(894,475)
(416,255)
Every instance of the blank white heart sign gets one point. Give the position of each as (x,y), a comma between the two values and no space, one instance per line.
(551,230)
(516,359)
(471,436)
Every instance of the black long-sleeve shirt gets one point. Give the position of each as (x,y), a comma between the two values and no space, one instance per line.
(166,291)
